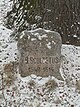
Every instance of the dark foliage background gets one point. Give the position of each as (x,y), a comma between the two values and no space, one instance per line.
(62,16)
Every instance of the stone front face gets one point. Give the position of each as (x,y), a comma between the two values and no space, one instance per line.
(40,52)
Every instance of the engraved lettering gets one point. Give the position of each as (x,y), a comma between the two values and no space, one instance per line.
(26,60)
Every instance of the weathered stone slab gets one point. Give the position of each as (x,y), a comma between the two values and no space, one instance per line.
(40,52)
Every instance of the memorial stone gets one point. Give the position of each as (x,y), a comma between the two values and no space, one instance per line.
(40,53)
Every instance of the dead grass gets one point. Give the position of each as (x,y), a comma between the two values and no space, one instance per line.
(9,74)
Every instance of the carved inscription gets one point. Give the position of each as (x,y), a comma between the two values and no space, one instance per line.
(42,60)
(41,65)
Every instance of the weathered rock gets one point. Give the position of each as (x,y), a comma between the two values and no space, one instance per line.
(40,52)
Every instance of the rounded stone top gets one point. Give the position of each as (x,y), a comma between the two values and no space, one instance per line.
(40,33)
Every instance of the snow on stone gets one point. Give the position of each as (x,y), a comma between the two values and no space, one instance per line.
(53,42)
(33,39)
(40,36)
(75,36)
(49,45)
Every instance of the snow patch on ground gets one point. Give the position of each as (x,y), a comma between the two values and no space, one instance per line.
(5,5)
(32,91)
(8,48)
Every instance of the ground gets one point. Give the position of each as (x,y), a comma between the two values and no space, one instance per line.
(33,91)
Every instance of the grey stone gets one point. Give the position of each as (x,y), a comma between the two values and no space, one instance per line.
(40,53)
(78,84)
